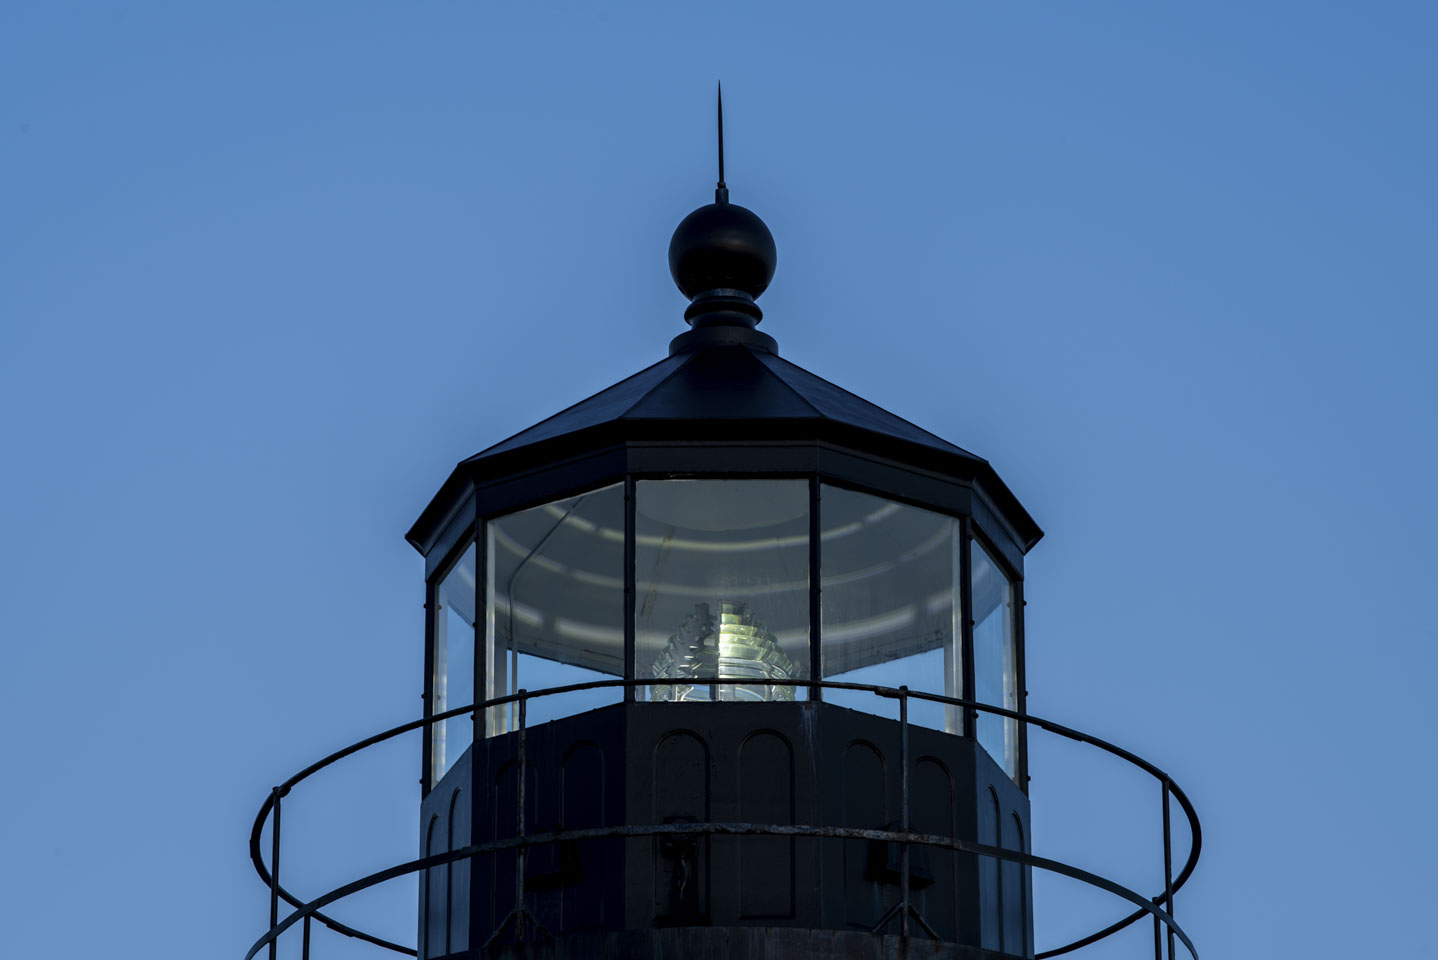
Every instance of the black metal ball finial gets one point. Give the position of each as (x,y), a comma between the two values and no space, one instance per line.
(722,257)
(722,246)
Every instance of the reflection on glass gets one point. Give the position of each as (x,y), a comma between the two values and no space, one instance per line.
(556,608)
(995,671)
(889,577)
(722,587)
(454,661)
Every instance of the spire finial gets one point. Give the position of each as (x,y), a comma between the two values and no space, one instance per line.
(721,192)
(722,257)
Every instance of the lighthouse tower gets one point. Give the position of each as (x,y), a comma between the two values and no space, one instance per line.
(725,661)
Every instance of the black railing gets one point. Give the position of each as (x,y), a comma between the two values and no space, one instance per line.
(1159,906)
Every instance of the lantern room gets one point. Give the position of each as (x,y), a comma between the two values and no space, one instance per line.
(777,574)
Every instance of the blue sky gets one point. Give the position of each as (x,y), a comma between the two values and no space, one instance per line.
(269,269)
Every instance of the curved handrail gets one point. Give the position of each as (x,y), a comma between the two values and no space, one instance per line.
(892,693)
(311,909)
(1196,832)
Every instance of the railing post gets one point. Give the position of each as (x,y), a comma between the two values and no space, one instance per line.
(274,869)
(904,810)
(520,851)
(1167,865)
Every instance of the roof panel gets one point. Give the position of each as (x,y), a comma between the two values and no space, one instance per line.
(608,404)
(722,383)
(836,403)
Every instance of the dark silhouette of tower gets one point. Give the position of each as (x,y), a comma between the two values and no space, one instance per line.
(725,661)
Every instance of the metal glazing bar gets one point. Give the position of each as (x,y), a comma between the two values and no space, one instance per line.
(1021,683)
(426,759)
(482,631)
(816,602)
(631,671)
(966,621)
(305,941)
(953,651)
(1157,938)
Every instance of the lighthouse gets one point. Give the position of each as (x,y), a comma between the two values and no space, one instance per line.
(725,660)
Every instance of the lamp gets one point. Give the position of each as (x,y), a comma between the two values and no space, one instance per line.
(735,644)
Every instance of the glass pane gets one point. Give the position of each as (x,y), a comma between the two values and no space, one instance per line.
(995,671)
(722,587)
(889,577)
(454,661)
(556,614)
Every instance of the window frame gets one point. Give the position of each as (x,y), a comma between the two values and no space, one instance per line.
(1015,577)
(432,626)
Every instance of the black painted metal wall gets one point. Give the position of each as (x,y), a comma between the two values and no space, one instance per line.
(773,763)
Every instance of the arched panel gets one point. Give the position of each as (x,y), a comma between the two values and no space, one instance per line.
(501,865)
(933,881)
(457,899)
(766,795)
(681,792)
(991,894)
(1015,894)
(503,797)
(582,783)
(436,892)
(864,805)
(582,795)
